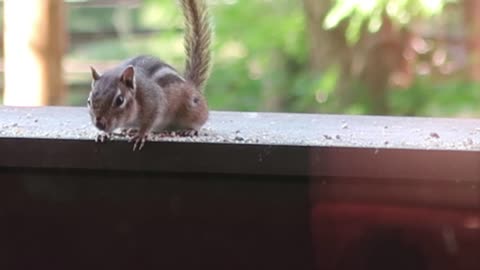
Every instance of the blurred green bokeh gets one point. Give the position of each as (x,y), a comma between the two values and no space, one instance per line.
(263,55)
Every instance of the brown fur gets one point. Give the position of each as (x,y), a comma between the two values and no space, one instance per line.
(147,109)
(188,108)
(198,36)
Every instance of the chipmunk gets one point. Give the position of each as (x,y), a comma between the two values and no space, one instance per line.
(144,94)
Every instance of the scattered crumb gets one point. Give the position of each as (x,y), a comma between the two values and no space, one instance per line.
(385,127)
(344,126)
(338,137)
(328,137)
(435,135)
(240,139)
(386,142)
(469,141)
(15,125)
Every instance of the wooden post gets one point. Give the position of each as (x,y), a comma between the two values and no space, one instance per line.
(472,25)
(34,44)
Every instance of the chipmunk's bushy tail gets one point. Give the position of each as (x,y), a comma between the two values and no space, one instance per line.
(198,36)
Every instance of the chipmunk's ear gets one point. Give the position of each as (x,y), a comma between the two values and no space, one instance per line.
(128,77)
(95,75)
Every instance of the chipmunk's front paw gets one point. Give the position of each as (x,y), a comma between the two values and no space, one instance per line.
(138,141)
(102,137)
(188,133)
(129,132)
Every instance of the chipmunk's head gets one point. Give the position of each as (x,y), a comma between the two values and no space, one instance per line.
(111,101)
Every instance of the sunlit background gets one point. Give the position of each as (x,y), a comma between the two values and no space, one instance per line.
(406,57)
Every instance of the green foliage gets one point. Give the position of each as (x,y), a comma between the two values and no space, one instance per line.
(90,20)
(315,93)
(163,14)
(252,50)
(358,13)
(168,46)
(445,98)
(261,52)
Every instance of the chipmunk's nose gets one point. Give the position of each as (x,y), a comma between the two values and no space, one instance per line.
(100,123)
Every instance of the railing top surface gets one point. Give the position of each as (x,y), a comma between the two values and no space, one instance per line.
(267,128)
(249,143)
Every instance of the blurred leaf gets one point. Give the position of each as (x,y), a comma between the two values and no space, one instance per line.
(358,13)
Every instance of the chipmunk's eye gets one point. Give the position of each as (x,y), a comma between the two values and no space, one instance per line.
(89,102)
(119,101)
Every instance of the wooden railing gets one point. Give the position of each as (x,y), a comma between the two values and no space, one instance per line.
(253,191)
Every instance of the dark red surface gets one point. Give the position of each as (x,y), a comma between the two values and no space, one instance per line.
(51,219)
(105,220)
(373,236)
